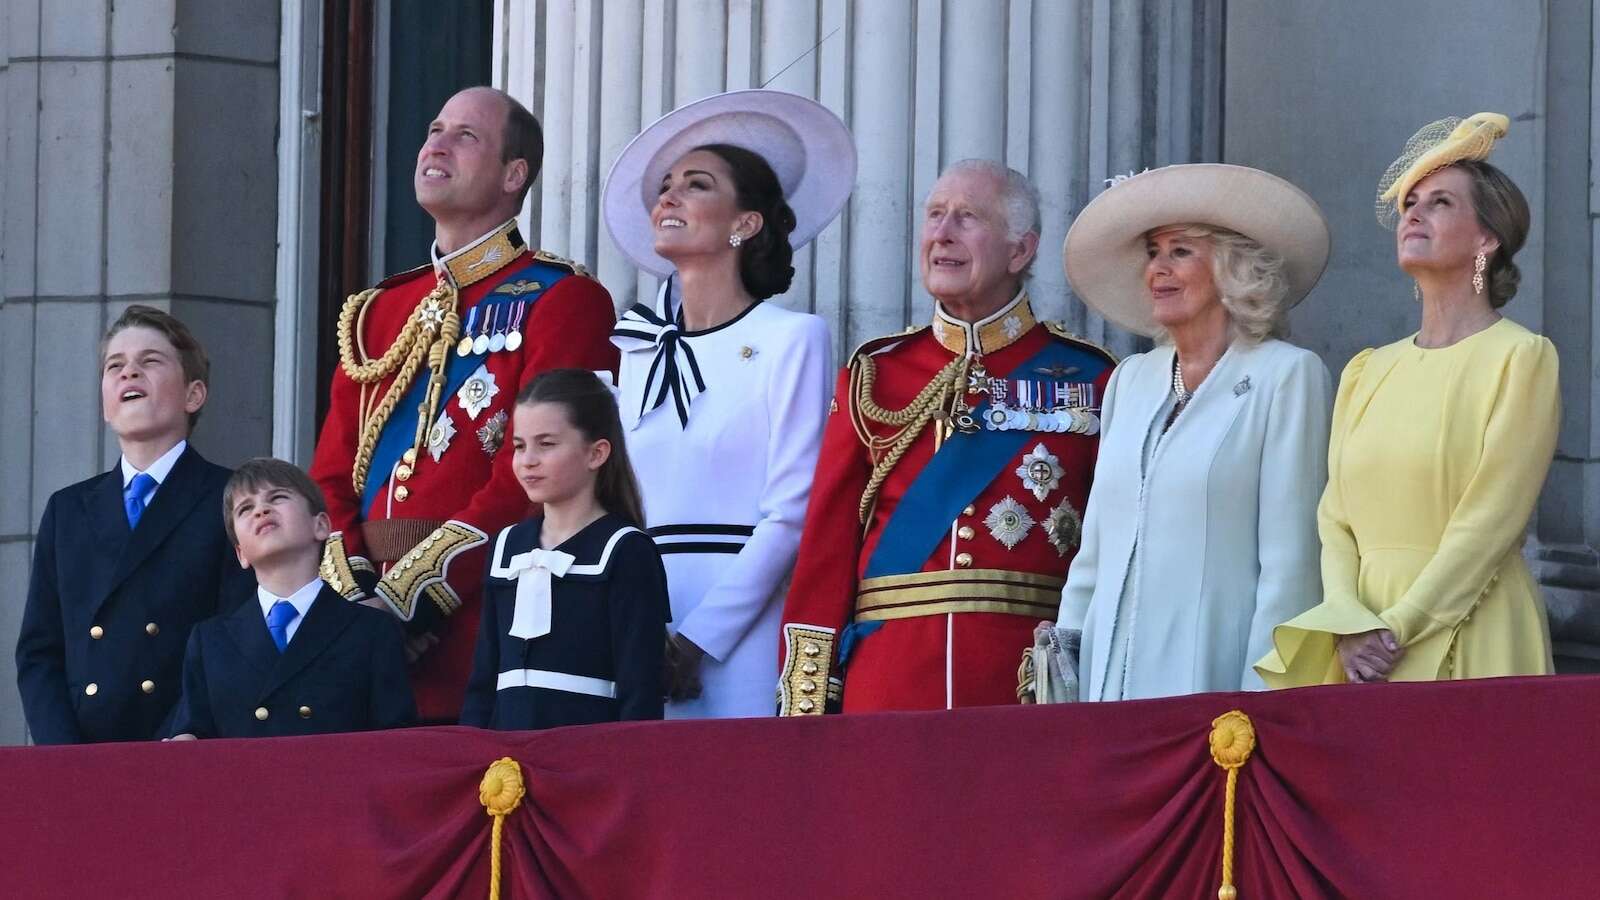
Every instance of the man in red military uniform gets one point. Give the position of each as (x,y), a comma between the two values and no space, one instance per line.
(413,456)
(953,474)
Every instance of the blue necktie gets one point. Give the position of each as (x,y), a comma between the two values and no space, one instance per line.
(134,495)
(278,619)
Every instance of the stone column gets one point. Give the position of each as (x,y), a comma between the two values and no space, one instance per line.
(1068,91)
(1567,524)
(139,167)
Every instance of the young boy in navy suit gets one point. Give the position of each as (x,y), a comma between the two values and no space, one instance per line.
(296,657)
(126,562)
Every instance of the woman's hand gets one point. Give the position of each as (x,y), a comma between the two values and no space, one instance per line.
(682,663)
(1369,656)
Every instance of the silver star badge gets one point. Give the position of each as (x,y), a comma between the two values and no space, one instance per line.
(475,394)
(1040,472)
(440,435)
(1008,522)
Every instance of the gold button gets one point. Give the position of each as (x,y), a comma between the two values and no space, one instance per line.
(808,686)
(261,714)
(970,510)
(152,629)
(148,686)
(305,712)
(964,560)
(96,632)
(810,649)
(401,493)
(91,689)
(410,457)
(402,472)
(810,668)
(805,705)
(965,533)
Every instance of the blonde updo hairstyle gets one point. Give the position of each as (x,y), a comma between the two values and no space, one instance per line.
(1250,280)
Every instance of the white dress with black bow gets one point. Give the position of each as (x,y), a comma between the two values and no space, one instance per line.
(723,428)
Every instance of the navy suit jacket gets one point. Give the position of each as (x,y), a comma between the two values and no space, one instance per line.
(344,670)
(109,609)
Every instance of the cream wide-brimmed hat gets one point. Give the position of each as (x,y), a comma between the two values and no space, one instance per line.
(1104,253)
(807,146)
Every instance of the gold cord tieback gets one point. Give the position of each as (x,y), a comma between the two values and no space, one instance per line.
(429,334)
(500,792)
(1232,740)
(936,399)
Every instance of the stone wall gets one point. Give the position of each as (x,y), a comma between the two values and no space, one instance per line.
(139,166)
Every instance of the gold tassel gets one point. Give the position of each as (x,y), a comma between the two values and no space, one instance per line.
(1232,740)
(500,792)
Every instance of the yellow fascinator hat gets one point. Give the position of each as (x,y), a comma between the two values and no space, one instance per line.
(1436,145)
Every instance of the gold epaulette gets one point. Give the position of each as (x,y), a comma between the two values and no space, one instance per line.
(1059,331)
(873,345)
(561,261)
(408,274)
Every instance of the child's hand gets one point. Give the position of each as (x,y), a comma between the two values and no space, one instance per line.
(422,643)
(186,736)
(682,674)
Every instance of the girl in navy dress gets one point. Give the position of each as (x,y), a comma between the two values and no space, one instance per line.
(575,600)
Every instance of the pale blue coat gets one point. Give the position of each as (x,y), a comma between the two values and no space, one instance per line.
(1224,516)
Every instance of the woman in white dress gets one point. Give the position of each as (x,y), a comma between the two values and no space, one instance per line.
(722,394)
(1200,534)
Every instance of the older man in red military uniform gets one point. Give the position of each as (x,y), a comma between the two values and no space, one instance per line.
(953,474)
(413,456)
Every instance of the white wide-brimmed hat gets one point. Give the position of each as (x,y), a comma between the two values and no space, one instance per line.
(1104,253)
(808,148)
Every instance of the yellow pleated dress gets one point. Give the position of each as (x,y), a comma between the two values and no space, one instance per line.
(1435,461)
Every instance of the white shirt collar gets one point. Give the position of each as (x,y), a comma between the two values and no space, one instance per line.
(160,469)
(301,600)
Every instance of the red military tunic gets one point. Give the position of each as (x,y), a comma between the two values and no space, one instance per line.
(950,629)
(425,511)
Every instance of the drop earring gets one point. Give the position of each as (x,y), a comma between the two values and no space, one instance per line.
(1416,292)
(1478,265)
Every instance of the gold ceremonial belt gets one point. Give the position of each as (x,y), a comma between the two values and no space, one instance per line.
(958,591)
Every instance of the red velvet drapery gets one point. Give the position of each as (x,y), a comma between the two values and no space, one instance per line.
(1472,789)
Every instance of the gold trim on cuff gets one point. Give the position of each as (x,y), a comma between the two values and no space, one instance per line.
(806,683)
(958,591)
(422,571)
(339,569)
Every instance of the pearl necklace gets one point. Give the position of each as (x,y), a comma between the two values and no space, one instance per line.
(1182,393)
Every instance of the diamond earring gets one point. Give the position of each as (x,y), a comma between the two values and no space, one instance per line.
(735,239)
(1478,265)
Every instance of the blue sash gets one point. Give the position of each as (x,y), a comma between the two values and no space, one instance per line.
(958,472)
(401,429)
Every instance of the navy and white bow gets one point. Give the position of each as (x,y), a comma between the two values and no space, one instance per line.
(673,370)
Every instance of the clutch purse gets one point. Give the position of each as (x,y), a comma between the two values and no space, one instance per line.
(1049,670)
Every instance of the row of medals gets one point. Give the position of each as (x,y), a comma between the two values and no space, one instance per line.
(1002,417)
(492,335)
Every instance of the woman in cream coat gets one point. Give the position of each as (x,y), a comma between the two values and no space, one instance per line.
(1200,533)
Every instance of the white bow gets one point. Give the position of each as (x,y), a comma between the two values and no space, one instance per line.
(533,571)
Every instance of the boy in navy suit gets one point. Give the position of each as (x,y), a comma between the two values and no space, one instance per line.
(126,562)
(296,657)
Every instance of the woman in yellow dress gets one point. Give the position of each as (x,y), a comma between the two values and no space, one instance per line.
(1439,447)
